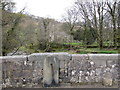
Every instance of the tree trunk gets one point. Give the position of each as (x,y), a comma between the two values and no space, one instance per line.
(101,38)
(114,33)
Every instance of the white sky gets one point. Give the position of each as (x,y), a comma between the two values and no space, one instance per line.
(45,8)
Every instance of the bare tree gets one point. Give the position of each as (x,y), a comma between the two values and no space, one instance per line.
(118,23)
(47,24)
(100,6)
(88,13)
(10,21)
(71,18)
(7,5)
(112,11)
(93,15)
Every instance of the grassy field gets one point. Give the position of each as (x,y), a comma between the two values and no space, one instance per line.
(97,50)
(87,50)
(94,44)
(82,50)
(77,48)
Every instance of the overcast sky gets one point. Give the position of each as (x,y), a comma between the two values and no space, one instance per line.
(45,8)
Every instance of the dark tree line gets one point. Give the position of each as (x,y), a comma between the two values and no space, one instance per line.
(98,21)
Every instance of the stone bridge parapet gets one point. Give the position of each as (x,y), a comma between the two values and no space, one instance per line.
(52,69)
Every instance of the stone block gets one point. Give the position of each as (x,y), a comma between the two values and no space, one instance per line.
(107,79)
(14,58)
(27,67)
(51,71)
(62,64)
(27,73)
(17,74)
(110,63)
(71,64)
(100,59)
(85,65)
(80,57)
(63,56)
(37,72)
(40,57)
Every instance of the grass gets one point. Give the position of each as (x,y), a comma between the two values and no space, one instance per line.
(79,50)
(93,49)
(87,50)
(97,50)
(76,44)
(106,43)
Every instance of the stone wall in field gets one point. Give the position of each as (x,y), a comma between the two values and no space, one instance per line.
(36,69)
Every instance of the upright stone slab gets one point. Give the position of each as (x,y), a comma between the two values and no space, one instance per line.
(0,73)
(39,59)
(50,71)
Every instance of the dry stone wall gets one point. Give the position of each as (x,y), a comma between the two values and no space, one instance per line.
(30,70)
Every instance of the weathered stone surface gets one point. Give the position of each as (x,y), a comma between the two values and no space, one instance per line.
(103,56)
(0,73)
(73,80)
(41,56)
(51,71)
(92,76)
(19,71)
(47,73)
(99,74)
(63,56)
(110,63)
(62,64)
(14,58)
(100,59)
(107,79)
(38,58)
(80,57)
